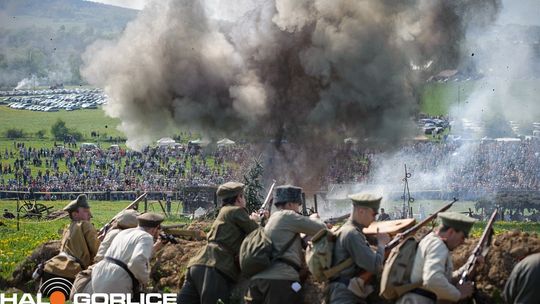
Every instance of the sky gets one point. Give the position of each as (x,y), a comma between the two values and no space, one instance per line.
(524,12)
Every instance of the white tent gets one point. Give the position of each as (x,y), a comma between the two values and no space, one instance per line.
(225,142)
(351,140)
(200,142)
(166,141)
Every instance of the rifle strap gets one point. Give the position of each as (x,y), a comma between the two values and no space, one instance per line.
(279,256)
(333,271)
(400,290)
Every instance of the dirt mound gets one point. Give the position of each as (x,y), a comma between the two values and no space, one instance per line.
(169,264)
(22,276)
(507,250)
(200,225)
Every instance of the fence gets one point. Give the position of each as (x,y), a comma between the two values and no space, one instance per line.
(191,197)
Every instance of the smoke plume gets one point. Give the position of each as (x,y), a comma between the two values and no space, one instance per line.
(306,72)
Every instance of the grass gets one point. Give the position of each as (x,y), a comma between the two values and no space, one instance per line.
(15,245)
(438,98)
(84,121)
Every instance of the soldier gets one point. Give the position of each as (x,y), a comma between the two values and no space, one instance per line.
(383,216)
(280,282)
(124,220)
(433,267)
(214,270)
(126,264)
(349,286)
(521,285)
(79,243)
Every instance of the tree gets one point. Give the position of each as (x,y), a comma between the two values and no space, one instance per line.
(254,187)
(59,130)
(41,134)
(14,133)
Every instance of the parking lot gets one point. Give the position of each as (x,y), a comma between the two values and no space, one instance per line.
(53,100)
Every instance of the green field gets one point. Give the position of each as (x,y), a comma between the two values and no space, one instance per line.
(437,98)
(84,121)
(15,245)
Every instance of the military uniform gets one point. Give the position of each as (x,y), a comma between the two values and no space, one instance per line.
(132,248)
(352,243)
(125,220)
(78,248)
(214,270)
(521,287)
(280,282)
(433,266)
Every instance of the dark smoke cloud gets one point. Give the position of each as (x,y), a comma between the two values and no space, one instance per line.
(310,72)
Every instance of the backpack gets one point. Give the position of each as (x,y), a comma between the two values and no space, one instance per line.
(319,254)
(256,252)
(396,275)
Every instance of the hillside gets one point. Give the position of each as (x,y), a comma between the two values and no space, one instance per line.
(46,38)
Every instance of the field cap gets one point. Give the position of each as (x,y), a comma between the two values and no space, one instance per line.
(229,189)
(457,221)
(366,200)
(150,219)
(127,219)
(80,202)
(288,193)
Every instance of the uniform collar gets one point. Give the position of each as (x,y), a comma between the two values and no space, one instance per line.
(355,224)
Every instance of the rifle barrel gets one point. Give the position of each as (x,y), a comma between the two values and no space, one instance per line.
(482,243)
(268,196)
(130,206)
(396,240)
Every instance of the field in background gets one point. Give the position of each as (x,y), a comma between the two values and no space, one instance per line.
(15,245)
(437,98)
(84,121)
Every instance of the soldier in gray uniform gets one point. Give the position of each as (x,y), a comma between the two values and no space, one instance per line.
(280,283)
(349,286)
(433,267)
(521,286)
(214,271)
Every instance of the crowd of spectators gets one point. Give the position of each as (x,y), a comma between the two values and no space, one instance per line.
(453,166)
(61,169)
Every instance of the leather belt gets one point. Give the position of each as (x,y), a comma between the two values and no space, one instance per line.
(425,293)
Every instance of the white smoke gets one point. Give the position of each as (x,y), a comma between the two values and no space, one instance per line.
(28,83)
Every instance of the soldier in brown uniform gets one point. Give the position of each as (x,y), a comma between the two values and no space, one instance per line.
(79,243)
(213,272)
(280,283)
(521,286)
(347,286)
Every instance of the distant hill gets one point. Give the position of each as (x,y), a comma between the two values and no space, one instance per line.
(45,38)
(68,11)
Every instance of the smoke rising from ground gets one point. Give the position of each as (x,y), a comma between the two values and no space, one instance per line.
(309,72)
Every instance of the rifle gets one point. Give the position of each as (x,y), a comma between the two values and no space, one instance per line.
(267,203)
(133,205)
(411,231)
(481,249)
(366,276)
(334,220)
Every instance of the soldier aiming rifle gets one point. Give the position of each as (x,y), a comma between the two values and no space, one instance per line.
(134,205)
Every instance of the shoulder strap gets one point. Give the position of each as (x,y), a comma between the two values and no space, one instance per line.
(287,246)
(279,257)
(335,270)
(134,280)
